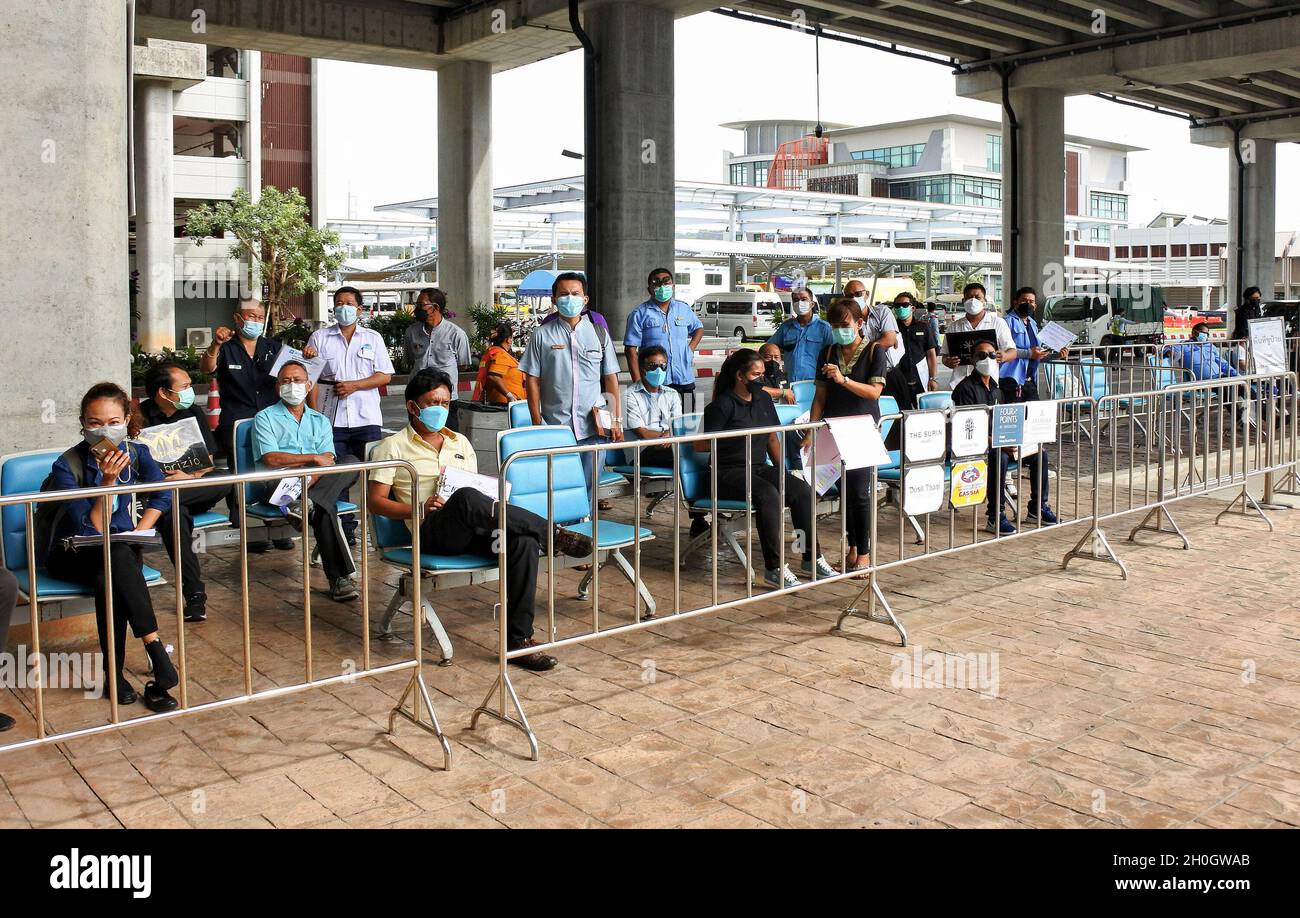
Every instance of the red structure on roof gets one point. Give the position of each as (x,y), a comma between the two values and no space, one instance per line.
(792,160)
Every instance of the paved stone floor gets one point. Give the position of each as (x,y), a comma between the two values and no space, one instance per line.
(1172,699)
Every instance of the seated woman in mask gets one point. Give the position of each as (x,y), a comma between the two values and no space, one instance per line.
(105,409)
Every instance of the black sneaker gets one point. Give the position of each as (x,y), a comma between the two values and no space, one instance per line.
(537,662)
(699,526)
(283,544)
(196,608)
(259,548)
(351,538)
(164,672)
(157,699)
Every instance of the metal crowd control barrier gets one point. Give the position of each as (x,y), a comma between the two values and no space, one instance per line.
(1234,427)
(416,688)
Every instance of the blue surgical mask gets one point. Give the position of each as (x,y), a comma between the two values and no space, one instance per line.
(845,336)
(1202,336)
(569,306)
(184,398)
(347,315)
(251,329)
(656,376)
(434,417)
(663,294)
(903,313)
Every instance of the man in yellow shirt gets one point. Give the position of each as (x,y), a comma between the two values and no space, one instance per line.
(466,522)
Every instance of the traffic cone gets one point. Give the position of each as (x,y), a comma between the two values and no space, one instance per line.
(214,404)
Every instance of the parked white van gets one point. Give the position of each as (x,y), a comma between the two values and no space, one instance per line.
(740,315)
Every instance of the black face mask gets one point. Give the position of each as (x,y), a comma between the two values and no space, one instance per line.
(771,367)
(755,386)
(1024,308)
(1253,302)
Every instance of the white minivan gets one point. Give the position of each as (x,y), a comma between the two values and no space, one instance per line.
(740,315)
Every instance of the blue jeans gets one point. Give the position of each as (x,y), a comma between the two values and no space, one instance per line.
(596,458)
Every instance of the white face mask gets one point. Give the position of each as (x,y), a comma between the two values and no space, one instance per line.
(294,393)
(861,300)
(802,307)
(988,366)
(973,306)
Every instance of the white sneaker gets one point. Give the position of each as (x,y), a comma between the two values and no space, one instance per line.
(786,581)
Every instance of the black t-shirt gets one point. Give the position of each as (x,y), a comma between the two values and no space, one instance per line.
(972,391)
(918,338)
(729,412)
(871,368)
(246,384)
(153,416)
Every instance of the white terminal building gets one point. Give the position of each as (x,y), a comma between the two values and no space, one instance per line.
(864,201)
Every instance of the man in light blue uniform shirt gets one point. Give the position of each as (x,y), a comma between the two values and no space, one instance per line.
(803,337)
(668,323)
(568,363)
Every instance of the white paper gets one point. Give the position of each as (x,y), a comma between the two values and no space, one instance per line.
(1055,337)
(1267,344)
(452,480)
(923,371)
(315,365)
(286,492)
(828,466)
(897,352)
(146,532)
(327,403)
(859,442)
(923,490)
(925,435)
(1040,422)
(970,431)
(604,419)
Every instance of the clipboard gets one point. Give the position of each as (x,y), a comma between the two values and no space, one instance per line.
(961,344)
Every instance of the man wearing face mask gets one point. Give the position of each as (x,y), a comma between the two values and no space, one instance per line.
(440,343)
(880,323)
(241,360)
(1019,383)
(291,436)
(775,381)
(1251,308)
(171,399)
(356,365)
(666,322)
(652,406)
(981,388)
(466,522)
(802,338)
(977,318)
(568,362)
(1200,357)
(920,346)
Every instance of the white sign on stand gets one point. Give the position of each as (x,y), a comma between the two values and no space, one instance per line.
(1040,422)
(924,436)
(855,440)
(970,431)
(1268,344)
(923,489)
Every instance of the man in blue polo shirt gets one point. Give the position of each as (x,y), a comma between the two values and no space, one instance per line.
(803,337)
(666,322)
(1018,382)
(290,436)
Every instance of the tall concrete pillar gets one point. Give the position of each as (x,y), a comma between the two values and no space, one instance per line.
(1259,207)
(634,155)
(1040,208)
(63,182)
(155,245)
(465,185)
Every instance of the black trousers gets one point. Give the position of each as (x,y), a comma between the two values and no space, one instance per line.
(335,559)
(859,502)
(131,601)
(1038,464)
(766,500)
(467,524)
(193,502)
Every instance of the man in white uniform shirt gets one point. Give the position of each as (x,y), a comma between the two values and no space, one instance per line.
(356,366)
(978,318)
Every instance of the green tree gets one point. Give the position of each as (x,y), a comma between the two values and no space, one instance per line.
(918,278)
(961,279)
(276,239)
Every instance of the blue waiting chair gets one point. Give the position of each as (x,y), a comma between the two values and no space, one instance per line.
(693,487)
(22,473)
(612,484)
(929,401)
(568,499)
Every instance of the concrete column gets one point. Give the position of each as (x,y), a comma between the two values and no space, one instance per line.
(155,247)
(634,155)
(1039,256)
(465,185)
(63,183)
(1260,224)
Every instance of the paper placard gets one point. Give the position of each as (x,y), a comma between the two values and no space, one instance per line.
(970,482)
(315,365)
(923,488)
(857,441)
(1268,344)
(1040,422)
(286,492)
(178,446)
(452,480)
(970,431)
(1055,336)
(924,435)
(1008,425)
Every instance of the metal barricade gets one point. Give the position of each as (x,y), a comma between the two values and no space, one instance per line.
(416,689)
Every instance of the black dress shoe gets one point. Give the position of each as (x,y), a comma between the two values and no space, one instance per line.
(6,723)
(284,544)
(164,671)
(259,548)
(537,662)
(125,694)
(157,699)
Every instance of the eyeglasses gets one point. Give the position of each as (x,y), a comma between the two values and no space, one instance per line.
(656,366)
